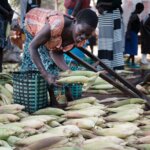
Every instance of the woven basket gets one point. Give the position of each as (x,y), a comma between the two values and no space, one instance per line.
(30,90)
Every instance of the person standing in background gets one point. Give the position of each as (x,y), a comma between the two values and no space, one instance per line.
(110,39)
(145,38)
(74,6)
(27,5)
(6,14)
(131,42)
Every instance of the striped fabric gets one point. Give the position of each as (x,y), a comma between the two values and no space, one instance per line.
(110,40)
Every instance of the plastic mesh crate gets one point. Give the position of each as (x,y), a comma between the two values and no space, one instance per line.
(76,90)
(30,90)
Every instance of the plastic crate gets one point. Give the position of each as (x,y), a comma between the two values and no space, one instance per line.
(30,90)
(76,90)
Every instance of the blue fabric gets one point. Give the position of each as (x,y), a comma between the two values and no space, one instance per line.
(3,27)
(75,51)
(27,63)
(131,46)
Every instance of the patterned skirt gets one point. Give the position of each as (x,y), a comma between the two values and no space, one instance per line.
(27,63)
(110,40)
(3,26)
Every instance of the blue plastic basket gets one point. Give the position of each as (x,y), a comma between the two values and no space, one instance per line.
(76,90)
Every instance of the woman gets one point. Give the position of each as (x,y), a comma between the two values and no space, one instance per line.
(145,39)
(110,39)
(49,35)
(131,42)
(6,14)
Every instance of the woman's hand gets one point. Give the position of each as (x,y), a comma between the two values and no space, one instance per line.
(51,79)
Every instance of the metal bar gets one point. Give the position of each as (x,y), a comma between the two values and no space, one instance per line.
(131,89)
(113,73)
(105,77)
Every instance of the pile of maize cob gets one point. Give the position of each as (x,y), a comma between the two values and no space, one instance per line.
(85,124)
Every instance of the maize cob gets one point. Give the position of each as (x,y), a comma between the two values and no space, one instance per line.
(77,73)
(5,148)
(120,131)
(8,118)
(128,101)
(102,146)
(144,140)
(97,91)
(11,109)
(5,133)
(54,124)
(102,87)
(5,99)
(46,142)
(43,118)
(125,107)
(73,79)
(67,130)
(4,91)
(50,111)
(123,116)
(12,140)
(143,146)
(90,100)
(35,138)
(9,87)
(78,106)
(88,134)
(83,123)
(66,148)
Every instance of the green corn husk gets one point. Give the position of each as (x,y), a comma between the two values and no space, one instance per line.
(143,146)
(107,139)
(128,101)
(84,113)
(50,111)
(54,124)
(78,106)
(98,121)
(120,131)
(4,91)
(73,79)
(77,73)
(100,81)
(11,109)
(4,144)
(124,116)
(67,130)
(83,123)
(88,134)
(144,140)
(130,148)
(12,140)
(102,87)
(36,138)
(67,148)
(5,148)
(90,100)
(98,91)
(43,118)
(5,133)
(4,118)
(126,107)
(18,130)
(102,146)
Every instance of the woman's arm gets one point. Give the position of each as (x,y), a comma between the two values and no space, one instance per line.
(58,58)
(40,39)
